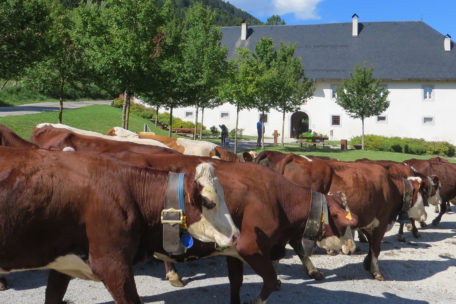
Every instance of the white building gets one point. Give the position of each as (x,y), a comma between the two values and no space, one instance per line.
(413,61)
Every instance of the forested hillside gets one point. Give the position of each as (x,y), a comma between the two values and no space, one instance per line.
(227,14)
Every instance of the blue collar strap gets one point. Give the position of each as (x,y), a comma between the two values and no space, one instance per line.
(180,192)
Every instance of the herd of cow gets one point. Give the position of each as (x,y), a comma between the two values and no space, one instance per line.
(91,206)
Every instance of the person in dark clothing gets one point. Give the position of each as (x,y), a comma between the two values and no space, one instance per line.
(224,133)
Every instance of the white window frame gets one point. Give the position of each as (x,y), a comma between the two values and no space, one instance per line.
(428,92)
(224,115)
(331,120)
(429,123)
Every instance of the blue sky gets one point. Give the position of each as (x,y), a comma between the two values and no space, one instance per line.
(439,14)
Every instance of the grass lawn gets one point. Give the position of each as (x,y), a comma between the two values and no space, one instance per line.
(99,118)
(17,96)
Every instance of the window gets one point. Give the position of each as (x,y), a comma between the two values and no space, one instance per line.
(427,92)
(224,115)
(335,120)
(264,117)
(333,91)
(428,120)
(188,114)
(381,119)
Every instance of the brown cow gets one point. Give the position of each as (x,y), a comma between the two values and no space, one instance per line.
(270,210)
(446,172)
(11,139)
(80,215)
(429,188)
(370,193)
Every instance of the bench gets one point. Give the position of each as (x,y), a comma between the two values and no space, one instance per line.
(185,131)
(312,140)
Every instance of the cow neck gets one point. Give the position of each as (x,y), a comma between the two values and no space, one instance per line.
(173,215)
(318,214)
(407,196)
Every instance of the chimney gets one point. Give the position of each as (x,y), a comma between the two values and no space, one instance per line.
(243,30)
(447,43)
(355,25)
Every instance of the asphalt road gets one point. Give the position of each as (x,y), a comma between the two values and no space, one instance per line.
(48,106)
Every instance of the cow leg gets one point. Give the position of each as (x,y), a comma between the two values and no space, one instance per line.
(415,232)
(3,284)
(362,238)
(371,260)
(400,234)
(117,275)
(172,275)
(311,270)
(56,287)
(437,220)
(235,275)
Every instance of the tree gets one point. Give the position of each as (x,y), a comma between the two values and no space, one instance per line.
(22,25)
(123,40)
(362,96)
(64,63)
(290,86)
(203,58)
(275,20)
(239,87)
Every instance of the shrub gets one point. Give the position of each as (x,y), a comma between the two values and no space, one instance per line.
(214,131)
(239,133)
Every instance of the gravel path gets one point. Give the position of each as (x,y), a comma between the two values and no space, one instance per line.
(419,271)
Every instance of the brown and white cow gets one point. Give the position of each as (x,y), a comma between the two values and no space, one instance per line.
(192,147)
(80,215)
(270,210)
(446,173)
(370,193)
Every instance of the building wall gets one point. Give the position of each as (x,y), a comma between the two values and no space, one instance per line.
(404,117)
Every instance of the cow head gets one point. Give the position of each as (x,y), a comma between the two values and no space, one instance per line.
(336,233)
(214,222)
(431,190)
(413,202)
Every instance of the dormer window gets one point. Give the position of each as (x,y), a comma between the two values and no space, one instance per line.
(333,91)
(427,92)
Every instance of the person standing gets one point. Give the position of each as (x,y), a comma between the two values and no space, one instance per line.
(224,133)
(260,130)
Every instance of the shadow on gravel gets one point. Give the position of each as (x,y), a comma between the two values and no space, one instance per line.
(289,293)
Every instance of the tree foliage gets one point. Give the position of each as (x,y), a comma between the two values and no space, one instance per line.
(362,96)
(275,20)
(22,24)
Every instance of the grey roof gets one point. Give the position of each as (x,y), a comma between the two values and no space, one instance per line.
(396,50)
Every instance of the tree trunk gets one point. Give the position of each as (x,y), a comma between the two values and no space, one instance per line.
(283,127)
(236,129)
(170,131)
(62,83)
(128,112)
(124,107)
(156,117)
(196,122)
(202,120)
(4,84)
(362,137)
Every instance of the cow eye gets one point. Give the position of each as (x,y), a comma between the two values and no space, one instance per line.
(208,204)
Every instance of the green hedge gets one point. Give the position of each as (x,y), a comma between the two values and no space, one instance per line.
(405,145)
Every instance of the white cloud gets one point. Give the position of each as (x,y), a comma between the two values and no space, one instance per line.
(302,9)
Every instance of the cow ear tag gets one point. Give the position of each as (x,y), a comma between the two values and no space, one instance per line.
(349,216)
(186,240)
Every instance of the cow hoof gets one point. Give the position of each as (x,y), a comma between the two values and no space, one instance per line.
(3,284)
(378,276)
(256,301)
(423,224)
(317,275)
(278,285)
(174,279)
(435,223)
(401,238)
(416,234)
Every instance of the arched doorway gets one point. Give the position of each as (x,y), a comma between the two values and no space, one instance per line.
(299,124)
